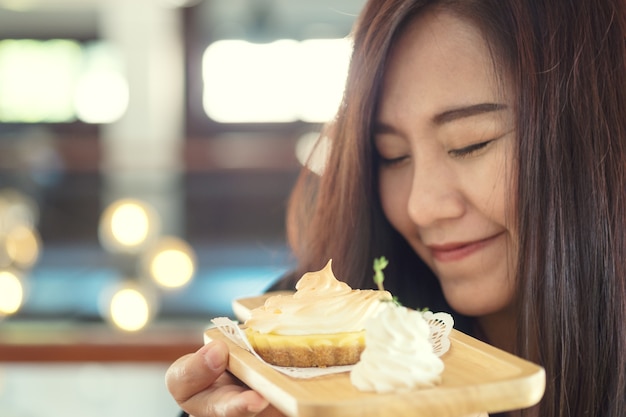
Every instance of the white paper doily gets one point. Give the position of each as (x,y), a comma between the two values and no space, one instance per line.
(441,325)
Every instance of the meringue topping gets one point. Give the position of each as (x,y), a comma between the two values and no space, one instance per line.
(321,305)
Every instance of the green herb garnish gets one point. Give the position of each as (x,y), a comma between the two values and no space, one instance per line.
(379,277)
(380,264)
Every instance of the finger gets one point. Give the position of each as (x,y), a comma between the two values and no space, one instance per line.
(270,411)
(199,384)
(197,371)
(227,398)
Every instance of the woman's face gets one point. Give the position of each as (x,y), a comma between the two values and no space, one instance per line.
(444,134)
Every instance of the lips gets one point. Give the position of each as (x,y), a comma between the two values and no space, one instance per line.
(451,252)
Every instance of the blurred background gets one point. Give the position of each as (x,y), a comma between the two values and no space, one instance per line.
(147,151)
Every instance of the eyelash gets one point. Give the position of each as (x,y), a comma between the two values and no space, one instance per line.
(391,161)
(465,152)
(470,150)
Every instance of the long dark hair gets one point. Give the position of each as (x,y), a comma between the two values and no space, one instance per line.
(567,62)
(571,76)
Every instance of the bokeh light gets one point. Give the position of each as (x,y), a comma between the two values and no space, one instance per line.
(129,308)
(22,245)
(11,293)
(17,208)
(171,263)
(128,225)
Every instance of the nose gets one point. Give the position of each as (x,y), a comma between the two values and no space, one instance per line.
(435,195)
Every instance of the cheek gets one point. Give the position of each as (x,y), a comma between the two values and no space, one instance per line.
(394,200)
(506,207)
(491,190)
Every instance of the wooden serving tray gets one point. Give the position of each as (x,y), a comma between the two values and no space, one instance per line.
(477,378)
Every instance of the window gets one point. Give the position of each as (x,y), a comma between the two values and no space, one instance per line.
(60,81)
(274,66)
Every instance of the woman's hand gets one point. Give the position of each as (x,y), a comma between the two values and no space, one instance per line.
(201,386)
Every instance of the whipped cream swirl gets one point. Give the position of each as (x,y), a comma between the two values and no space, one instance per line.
(398,354)
(321,305)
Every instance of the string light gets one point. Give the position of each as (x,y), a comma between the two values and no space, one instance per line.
(20,246)
(131,227)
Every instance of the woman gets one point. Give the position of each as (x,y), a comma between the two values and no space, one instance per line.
(480,147)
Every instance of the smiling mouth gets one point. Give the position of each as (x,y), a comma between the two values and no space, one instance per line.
(452,252)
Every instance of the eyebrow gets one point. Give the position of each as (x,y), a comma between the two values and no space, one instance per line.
(450,115)
(467,111)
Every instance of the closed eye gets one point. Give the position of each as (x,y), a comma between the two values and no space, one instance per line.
(470,150)
(387,162)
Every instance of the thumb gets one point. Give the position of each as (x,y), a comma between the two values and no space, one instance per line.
(197,371)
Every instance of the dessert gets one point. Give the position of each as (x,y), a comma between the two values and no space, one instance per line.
(398,355)
(322,324)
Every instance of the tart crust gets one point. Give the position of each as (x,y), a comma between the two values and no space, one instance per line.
(305,351)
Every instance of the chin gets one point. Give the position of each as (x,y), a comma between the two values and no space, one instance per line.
(473,310)
(477,305)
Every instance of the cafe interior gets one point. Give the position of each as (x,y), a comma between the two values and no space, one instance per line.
(147,153)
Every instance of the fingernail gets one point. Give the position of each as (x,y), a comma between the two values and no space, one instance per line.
(215,357)
(257,407)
